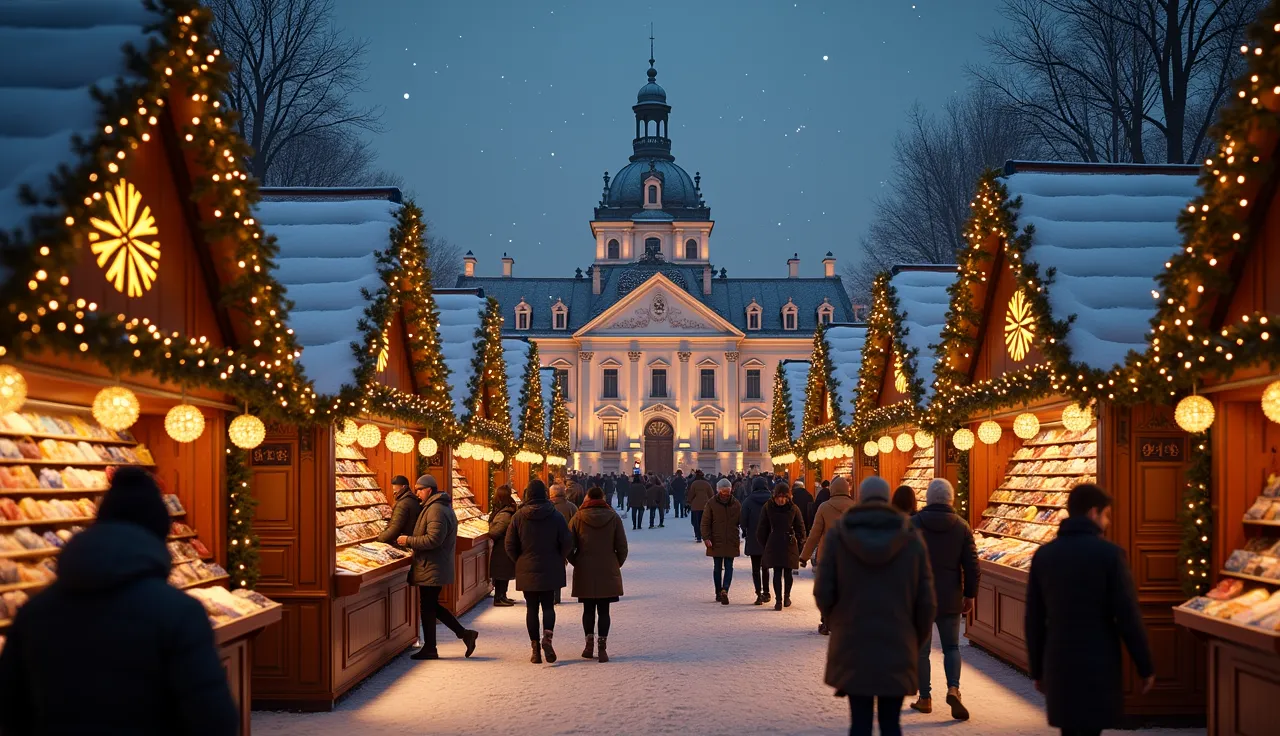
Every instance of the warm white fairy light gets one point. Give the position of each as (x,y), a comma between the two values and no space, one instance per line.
(1194,414)
(1026,425)
(116,408)
(963,439)
(184,423)
(989,432)
(13,389)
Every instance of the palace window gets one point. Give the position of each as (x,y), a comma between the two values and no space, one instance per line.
(562,380)
(524,315)
(691,249)
(653,248)
(610,383)
(658,389)
(753,438)
(559,316)
(613,251)
(707,384)
(790,315)
(753,383)
(653,194)
(611,436)
(708,435)
(754,311)
(826,312)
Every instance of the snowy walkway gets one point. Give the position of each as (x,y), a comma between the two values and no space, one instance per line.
(680,663)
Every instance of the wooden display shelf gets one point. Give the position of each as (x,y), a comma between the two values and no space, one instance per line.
(363,505)
(1246,636)
(357,541)
(76,463)
(50,491)
(29,585)
(1025,503)
(207,582)
(240,627)
(1059,442)
(1013,536)
(31,554)
(1074,474)
(1261,522)
(985,515)
(1009,572)
(350,583)
(356,475)
(176,537)
(11,434)
(1254,578)
(46,522)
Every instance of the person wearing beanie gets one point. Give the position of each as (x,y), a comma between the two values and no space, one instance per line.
(782,533)
(112,616)
(825,518)
(720,520)
(405,512)
(803,500)
(752,510)
(678,488)
(700,491)
(539,542)
(434,541)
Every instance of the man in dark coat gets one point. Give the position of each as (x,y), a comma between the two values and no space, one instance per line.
(502,569)
(875,591)
(112,618)
(721,518)
(700,491)
(678,489)
(404,514)
(824,493)
(803,500)
(637,494)
(953,558)
(1081,604)
(656,501)
(434,541)
(539,541)
(752,509)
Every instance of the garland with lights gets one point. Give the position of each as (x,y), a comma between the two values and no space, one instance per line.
(558,443)
(532,422)
(1197,518)
(488,386)
(821,385)
(781,426)
(962,485)
(242,550)
(885,332)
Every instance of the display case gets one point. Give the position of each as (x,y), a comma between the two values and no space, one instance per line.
(919,473)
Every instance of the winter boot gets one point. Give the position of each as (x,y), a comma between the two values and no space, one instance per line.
(822,629)
(589,652)
(924,705)
(502,603)
(604,655)
(958,711)
(765,596)
(777,605)
(759,599)
(424,653)
(724,597)
(537,653)
(787,601)
(469,638)
(547,651)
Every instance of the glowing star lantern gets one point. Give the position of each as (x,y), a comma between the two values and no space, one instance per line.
(1194,414)
(886,444)
(384,356)
(1271,402)
(184,423)
(247,431)
(924,439)
(1077,418)
(116,408)
(1026,425)
(870,448)
(989,432)
(13,389)
(962,439)
(369,436)
(427,447)
(904,442)
(118,242)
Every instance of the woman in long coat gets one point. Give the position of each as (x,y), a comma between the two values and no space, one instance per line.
(782,533)
(599,551)
(502,569)
(538,540)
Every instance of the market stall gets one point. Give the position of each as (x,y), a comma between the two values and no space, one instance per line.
(830,389)
(1052,305)
(787,420)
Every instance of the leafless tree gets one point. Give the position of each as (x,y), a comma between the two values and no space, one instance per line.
(292,81)
(444,258)
(331,159)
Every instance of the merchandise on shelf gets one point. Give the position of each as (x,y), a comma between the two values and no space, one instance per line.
(1267,506)
(368,556)
(918,473)
(472,522)
(1257,608)
(362,514)
(223,606)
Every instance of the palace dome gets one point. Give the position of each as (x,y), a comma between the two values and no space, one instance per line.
(627,188)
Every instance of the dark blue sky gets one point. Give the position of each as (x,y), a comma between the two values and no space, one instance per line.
(517,107)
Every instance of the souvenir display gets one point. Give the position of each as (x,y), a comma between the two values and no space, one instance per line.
(472,522)
(362,513)
(918,473)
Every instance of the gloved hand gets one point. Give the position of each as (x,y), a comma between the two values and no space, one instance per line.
(803,563)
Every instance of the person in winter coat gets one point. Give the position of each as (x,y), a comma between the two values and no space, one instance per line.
(655,500)
(823,494)
(826,517)
(1081,604)
(904,499)
(696,498)
(637,493)
(501,567)
(539,541)
(404,514)
(721,518)
(781,532)
(678,490)
(752,510)
(598,554)
(803,500)
(953,559)
(875,591)
(575,493)
(560,499)
(434,541)
(112,616)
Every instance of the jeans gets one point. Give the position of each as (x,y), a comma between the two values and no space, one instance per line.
(722,565)
(660,513)
(533,600)
(592,607)
(637,516)
(759,575)
(862,709)
(697,525)
(432,611)
(949,635)
(779,574)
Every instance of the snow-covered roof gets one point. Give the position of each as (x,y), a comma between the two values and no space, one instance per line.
(923,302)
(548,393)
(51,55)
(515,353)
(326,259)
(846,343)
(1108,235)
(797,373)
(461,318)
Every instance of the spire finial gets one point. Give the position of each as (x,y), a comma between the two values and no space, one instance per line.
(653,73)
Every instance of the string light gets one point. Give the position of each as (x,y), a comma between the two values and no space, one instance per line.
(369,435)
(116,408)
(13,389)
(924,439)
(886,444)
(962,439)
(1271,401)
(427,447)
(989,432)
(1077,418)
(871,448)
(184,423)
(247,431)
(904,442)
(1194,414)
(1026,425)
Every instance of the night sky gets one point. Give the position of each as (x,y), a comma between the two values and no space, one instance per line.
(516,108)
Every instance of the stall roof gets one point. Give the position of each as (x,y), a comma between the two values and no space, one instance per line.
(846,342)
(548,395)
(515,353)
(461,321)
(923,302)
(327,264)
(1107,231)
(797,373)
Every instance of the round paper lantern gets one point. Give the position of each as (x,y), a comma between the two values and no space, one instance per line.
(462,450)
(989,432)
(399,442)
(427,447)
(923,439)
(886,444)
(962,439)
(1194,414)
(813,455)
(13,389)
(116,408)
(1077,418)
(498,456)
(1026,425)
(1271,401)
(904,442)
(184,423)
(247,431)
(343,438)
(369,436)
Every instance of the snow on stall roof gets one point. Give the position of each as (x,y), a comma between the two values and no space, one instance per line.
(923,302)
(52,53)
(1108,236)
(846,343)
(797,373)
(548,393)
(515,353)
(326,261)
(461,317)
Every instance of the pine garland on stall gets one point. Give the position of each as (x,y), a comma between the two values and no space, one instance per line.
(242,541)
(781,426)
(821,385)
(532,408)
(1197,518)
(882,352)
(488,387)
(962,484)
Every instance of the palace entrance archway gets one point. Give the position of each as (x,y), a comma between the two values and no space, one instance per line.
(659,447)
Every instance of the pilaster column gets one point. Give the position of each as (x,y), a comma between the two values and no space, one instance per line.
(733,408)
(684,403)
(634,395)
(586,402)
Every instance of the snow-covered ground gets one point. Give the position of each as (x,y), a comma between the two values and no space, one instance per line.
(680,663)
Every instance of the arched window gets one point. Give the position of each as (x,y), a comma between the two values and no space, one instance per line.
(653,247)
(614,251)
(691,249)
(653,194)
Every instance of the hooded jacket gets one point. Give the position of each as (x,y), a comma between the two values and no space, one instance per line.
(501,567)
(655,496)
(403,516)
(599,551)
(803,500)
(700,491)
(434,541)
(637,493)
(875,592)
(143,650)
(953,557)
(752,510)
(720,522)
(781,532)
(539,541)
(826,517)
(566,507)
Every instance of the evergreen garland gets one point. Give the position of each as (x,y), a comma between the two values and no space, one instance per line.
(488,386)
(1197,518)
(822,384)
(886,329)
(962,483)
(242,540)
(781,427)
(533,412)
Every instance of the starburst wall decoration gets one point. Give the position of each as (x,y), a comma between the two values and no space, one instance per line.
(131,262)
(1019,326)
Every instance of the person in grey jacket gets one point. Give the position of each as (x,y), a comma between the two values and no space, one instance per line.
(404,515)
(434,540)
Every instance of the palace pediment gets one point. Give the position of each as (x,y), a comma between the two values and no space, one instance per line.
(659,308)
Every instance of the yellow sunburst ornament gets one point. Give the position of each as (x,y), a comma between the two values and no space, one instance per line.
(1019,326)
(899,378)
(130,261)
(384,355)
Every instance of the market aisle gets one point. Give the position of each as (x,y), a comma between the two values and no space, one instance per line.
(681,663)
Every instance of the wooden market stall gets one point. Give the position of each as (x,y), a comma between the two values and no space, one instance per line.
(787,420)
(908,311)
(131,335)
(831,385)
(1054,297)
(528,411)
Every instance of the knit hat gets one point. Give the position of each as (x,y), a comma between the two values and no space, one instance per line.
(399,480)
(427,481)
(760,484)
(535,491)
(134,498)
